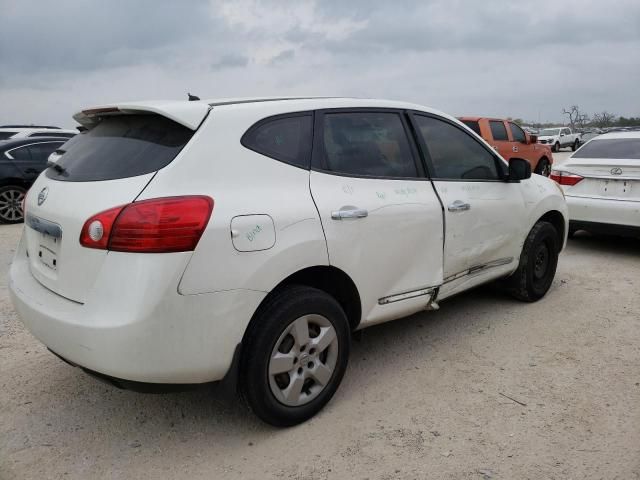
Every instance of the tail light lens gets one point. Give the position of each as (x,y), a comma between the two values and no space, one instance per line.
(159,225)
(565,178)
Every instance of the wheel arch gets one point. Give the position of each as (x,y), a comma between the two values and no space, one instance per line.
(555,218)
(15,181)
(331,280)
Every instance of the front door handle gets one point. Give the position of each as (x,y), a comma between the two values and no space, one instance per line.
(458,206)
(349,213)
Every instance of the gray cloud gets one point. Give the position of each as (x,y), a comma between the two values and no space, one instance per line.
(493,57)
(230,61)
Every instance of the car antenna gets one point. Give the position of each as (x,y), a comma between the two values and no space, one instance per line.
(193,98)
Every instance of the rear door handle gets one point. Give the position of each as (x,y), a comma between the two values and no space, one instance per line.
(458,206)
(349,213)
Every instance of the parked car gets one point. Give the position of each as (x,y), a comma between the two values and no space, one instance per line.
(559,137)
(601,182)
(21,161)
(511,141)
(586,136)
(17,131)
(245,240)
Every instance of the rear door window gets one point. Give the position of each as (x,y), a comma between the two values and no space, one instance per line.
(517,133)
(120,147)
(287,139)
(367,144)
(498,131)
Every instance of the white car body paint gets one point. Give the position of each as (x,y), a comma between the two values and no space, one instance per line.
(177,317)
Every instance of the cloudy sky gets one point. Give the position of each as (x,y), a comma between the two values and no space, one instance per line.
(489,57)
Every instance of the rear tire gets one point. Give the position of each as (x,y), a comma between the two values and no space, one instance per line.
(538,263)
(543,167)
(295,354)
(11,197)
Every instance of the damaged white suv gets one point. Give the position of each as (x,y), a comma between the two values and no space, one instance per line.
(189,242)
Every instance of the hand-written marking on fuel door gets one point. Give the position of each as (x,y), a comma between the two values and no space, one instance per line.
(253,233)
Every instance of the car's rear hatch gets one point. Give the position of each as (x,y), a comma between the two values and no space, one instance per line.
(107,166)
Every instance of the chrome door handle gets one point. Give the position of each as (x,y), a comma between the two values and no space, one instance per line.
(347,213)
(458,206)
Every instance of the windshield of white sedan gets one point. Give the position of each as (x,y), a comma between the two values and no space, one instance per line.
(120,147)
(618,148)
(548,132)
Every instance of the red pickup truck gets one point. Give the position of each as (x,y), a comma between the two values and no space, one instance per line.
(511,141)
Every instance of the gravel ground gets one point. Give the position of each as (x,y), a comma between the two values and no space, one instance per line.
(484,388)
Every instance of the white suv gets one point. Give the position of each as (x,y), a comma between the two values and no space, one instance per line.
(189,242)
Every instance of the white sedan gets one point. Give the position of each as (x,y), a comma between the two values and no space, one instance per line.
(601,182)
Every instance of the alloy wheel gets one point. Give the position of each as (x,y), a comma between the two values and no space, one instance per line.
(303,360)
(11,205)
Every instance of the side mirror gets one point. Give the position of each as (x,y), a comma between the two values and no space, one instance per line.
(533,138)
(519,169)
(562,134)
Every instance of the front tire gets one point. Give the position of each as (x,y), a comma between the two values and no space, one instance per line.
(538,263)
(11,197)
(556,147)
(543,167)
(295,354)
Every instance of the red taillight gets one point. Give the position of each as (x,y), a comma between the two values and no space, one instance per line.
(565,178)
(159,225)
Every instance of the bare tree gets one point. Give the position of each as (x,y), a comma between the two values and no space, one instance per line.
(603,119)
(577,119)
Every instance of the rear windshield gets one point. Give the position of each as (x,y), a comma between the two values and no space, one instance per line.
(120,147)
(611,148)
(473,126)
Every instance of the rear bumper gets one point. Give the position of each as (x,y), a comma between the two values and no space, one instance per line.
(603,211)
(137,327)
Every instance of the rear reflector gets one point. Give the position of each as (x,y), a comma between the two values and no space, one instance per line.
(565,178)
(159,225)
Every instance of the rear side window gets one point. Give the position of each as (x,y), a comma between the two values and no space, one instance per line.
(367,144)
(617,148)
(21,154)
(475,126)
(517,133)
(287,139)
(498,131)
(40,151)
(454,153)
(120,147)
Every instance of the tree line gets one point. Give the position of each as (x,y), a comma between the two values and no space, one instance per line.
(576,118)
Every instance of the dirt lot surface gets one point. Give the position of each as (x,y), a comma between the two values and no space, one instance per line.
(484,388)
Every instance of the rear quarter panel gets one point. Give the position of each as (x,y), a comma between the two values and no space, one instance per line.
(242,182)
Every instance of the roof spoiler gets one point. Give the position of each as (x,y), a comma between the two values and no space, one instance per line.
(189,114)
